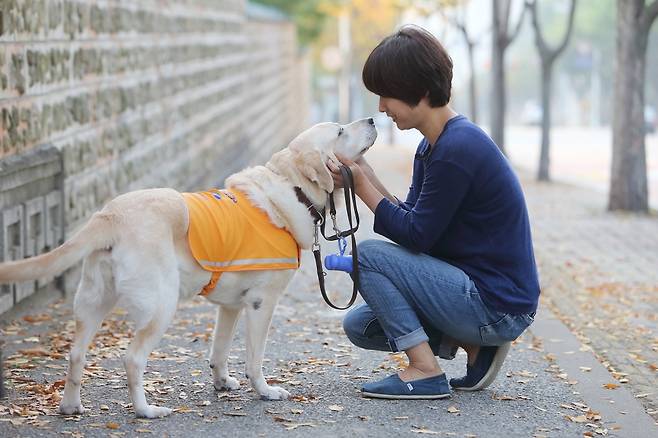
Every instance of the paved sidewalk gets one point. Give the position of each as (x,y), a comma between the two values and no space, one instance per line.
(308,354)
(599,275)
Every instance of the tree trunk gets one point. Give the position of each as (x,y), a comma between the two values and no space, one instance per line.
(546,82)
(628,183)
(498,103)
(548,57)
(472,91)
(2,381)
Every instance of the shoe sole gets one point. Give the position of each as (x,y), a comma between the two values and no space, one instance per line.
(492,372)
(404,397)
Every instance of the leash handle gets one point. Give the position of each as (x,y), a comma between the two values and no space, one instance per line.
(350,199)
(349,202)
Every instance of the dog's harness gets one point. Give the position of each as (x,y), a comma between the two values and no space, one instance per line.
(227,233)
(319,223)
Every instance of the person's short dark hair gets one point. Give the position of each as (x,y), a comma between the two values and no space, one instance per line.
(408,65)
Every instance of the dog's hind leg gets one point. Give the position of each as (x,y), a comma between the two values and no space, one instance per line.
(259,316)
(227,319)
(146,338)
(93,301)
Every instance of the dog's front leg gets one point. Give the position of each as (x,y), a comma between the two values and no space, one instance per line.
(227,318)
(259,316)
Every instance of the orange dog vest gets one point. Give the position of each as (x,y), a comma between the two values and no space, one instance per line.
(228,233)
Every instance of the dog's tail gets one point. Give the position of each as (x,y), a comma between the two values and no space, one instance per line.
(96,234)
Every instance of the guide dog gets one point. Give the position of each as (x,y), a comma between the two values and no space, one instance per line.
(142,236)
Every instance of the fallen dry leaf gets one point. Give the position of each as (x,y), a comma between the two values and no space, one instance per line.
(37,318)
(235,414)
(611,386)
(453,409)
(112,425)
(336,408)
(293,426)
(502,397)
(422,430)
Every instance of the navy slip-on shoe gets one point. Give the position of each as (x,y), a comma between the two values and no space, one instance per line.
(484,371)
(392,387)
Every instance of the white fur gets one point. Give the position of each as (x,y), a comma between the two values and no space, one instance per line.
(142,238)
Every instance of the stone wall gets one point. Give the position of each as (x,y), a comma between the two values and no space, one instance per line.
(146,93)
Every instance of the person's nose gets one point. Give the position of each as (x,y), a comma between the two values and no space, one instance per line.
(382,106)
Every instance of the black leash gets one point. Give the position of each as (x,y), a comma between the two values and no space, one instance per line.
(319,222)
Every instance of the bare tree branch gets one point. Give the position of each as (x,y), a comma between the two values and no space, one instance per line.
(545,51)
(518,27)
(652,11)
(650,14)
(539,36)
(506,10)
(567,35)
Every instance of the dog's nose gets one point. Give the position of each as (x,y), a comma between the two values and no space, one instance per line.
(371,120)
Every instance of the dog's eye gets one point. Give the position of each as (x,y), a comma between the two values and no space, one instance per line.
(340,132)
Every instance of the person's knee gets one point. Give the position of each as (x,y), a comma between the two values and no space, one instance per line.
(356,323)
(369,251)
(353,324)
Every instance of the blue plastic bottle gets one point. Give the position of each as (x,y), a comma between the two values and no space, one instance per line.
(337,262)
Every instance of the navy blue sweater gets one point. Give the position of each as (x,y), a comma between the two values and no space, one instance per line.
(465,206)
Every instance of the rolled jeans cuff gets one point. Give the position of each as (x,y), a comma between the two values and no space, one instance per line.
(409,340)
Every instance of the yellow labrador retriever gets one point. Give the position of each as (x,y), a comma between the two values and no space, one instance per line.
(143,237)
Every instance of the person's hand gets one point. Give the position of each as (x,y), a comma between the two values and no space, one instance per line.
(358,174)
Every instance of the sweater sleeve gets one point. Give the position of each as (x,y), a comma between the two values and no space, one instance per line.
(444,187)
(410,201)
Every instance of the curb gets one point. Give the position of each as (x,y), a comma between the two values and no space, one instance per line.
(617,406)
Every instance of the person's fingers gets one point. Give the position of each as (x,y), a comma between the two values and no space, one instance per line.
(332,167)
(346,161)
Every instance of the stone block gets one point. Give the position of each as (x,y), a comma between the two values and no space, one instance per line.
(12,229)
(16,72)
(35,227)
(6,298)
(54,226)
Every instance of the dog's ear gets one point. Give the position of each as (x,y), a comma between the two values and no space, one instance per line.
(312,165)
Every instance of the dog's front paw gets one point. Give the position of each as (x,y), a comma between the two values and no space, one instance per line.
(227,384)
(71,408)
(274,393)
(152,411)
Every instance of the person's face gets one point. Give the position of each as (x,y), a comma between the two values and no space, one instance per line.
(404,115)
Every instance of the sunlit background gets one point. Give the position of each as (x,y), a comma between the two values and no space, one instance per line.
(339,35)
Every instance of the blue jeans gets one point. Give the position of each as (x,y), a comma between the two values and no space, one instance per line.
(413,298)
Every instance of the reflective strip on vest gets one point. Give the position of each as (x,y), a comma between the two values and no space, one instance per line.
(247,262)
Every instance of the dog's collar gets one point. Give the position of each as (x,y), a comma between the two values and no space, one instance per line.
(301,197)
